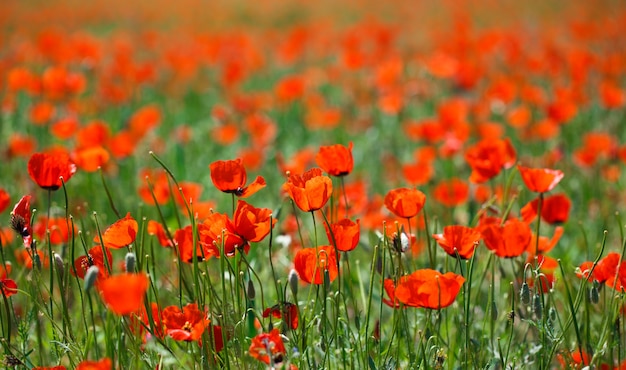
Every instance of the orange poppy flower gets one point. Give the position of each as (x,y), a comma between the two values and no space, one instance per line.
(104,364)
(160,187)
(20,220)
(404,202)
(508,241)
(540,180)
(64,128)
(95,133)
(345,233)
(5,199)
(187,324)
(268,348)
(230,177)
(25,257)
(21,145)
(604,270)
(428,288)
(287,311)
(225,134)
(144,119)
(451,193)
(251,223)
(46,169)
(554,210)
(94,257)
(459,239)
(312,263)
(155,228)
(290,88)
(7,286)
(390,289)
(184,241)
(335,160)
(310,191)
(41,113)
(488,157)
(124,293)
(302,158)
(90,159)
(122,144)
(544,244)
(119,235)
(418,173)
(191,193)
(57,227)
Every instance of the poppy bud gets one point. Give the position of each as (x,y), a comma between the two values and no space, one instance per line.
(537,308)
(131,259)
(594,295)
(293,282)
(525,293)
(251,292)
(59,264)
(90,277)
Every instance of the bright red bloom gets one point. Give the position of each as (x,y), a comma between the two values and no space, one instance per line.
(5,199)
(488,157)
(187,325)
(345,233)
(184,240)
(7,286)
(428,289)
(508,241)
(554,210)
(124,293)
(312,263)
(459,239)
(544,245)
(104,364)
(20,220)
(287,311)
(268,348)
(46,169)
(390,289)
(58,228)
(155,228)
(405,202)
(310,191)
(230,177)
(540,180)
(451,193)
(94,257)
(335,160)
(121,234)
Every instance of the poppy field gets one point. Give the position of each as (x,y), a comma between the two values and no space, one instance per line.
(295,185)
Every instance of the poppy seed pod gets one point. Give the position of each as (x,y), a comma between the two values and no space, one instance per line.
(90,277)
(293,282)
(130,262)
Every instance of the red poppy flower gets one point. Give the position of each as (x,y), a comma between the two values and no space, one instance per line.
(604,271)
(451,193)
(508,241)
(390,289)
(312,263)
(46,169)
(8,286)
(335,160)
(310,191)
(121,234)
(429,289)
(488,157)
(91,158)
(250,224)
(554,210)
(184,240)
(20,220)
(5,199)
(187,325)
(104,364)
(345,233)
(230,177)
(268,348)
(124,293)
(404,202)
(94,257)
(287,311)
(155,228)
(545,245)
(58,228)
(459,239)
(540,180)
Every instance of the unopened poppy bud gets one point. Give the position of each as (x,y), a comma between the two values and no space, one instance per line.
(293,282)
(251,292)
(131,260)
(494,311)
(90,277)
(58,262)
(525,293)
(594,295)
(537,308)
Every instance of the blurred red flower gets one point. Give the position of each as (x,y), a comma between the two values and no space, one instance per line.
(230,177)
(335,160)
(46,169)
